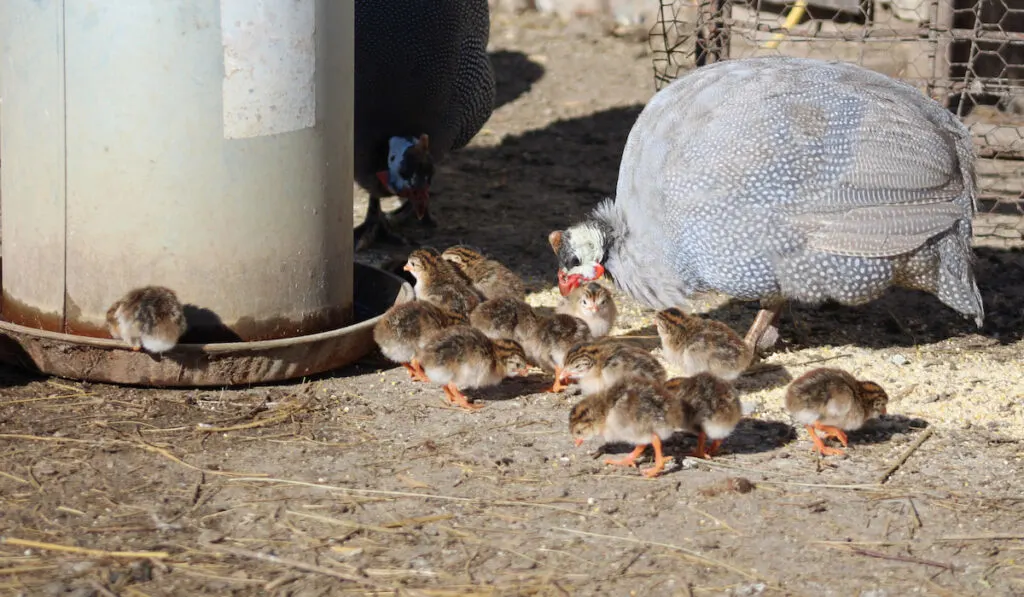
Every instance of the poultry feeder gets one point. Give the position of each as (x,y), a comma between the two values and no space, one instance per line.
(201,145)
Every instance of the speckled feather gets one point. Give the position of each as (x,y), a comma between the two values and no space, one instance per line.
(603,363)
(696,345)
(714,404)
(781,177)
(552,339)
(405,328)
(489,277)
(630,411)
(151,317)
(421,66)
(440,282)
(833,396)
(507,318)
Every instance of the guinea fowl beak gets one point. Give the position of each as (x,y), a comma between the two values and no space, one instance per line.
(419,199)
(385,180)
(566,282)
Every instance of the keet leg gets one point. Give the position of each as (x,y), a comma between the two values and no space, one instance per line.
(763,333)
(820,446)
(420,374)
(629,460)
(831,431)
(412,370)
(376,228)
(659,459)
(715,445)
(699,451)
(459,399)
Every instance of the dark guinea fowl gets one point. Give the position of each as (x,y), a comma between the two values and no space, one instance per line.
(424,86)
(785,179)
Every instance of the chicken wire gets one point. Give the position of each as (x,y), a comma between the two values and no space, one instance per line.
(966,54)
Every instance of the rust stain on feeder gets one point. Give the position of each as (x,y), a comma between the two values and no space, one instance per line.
(18,313)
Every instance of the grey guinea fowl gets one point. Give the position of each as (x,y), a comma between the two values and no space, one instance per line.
(421,68)
(781,178)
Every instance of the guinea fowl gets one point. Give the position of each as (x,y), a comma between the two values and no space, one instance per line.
(784,179)
(424,86)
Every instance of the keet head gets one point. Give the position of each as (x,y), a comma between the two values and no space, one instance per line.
(410,170)
(595,298)
(578,361)
(512,356)
(585,421)
(419,263)
(875,399)
(461,255)
(581,255)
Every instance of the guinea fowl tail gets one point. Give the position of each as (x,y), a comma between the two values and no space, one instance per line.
(957,287)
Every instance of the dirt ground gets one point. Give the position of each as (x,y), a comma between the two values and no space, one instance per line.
(363,482)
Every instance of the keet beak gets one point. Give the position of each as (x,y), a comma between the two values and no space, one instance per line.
(883,410)
(578,441)
(407,267)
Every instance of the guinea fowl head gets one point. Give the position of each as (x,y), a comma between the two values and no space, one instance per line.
(582,251)
(410,170)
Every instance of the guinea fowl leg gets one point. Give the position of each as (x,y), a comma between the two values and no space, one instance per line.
(763,333)
(376,228)
(820,446)
(629,460)
(459,399)
(659,458)
(831,431)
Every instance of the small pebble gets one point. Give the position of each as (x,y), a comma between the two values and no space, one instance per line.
(898,360)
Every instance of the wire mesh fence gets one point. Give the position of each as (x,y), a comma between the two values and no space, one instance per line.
(966,54)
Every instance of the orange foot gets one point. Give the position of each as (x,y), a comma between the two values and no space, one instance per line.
(459,399)
(560,384)
(659,458)
(419,373)
(831,431)
(700,452)
(820,446)
(628,460)
(136,348)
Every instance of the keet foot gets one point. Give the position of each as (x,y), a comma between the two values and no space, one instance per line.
(831,431)
(629,460)
(559,384)
(659,459)
(819,445)
(700,452)
(459,399)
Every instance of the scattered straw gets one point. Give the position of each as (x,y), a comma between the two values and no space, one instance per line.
(299,565)
(412,494)
(909,451)
(126,443)
(14,478)
(23,569)
(99,553)
(689,554)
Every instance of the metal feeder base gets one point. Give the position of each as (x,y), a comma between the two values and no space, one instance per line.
(221,364)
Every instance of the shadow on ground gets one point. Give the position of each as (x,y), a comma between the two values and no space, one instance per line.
(506,199)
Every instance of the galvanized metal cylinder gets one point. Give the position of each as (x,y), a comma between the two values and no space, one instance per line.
(202,145)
